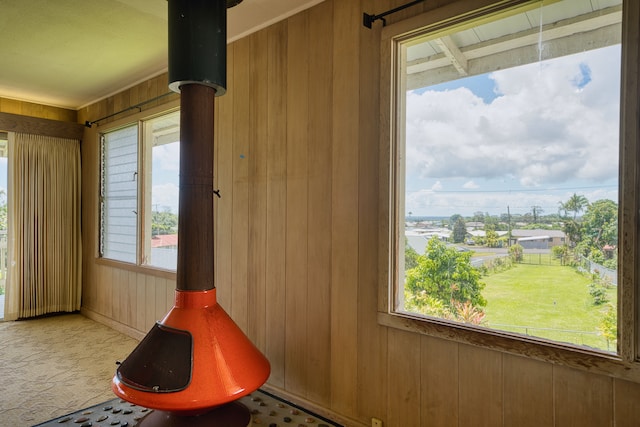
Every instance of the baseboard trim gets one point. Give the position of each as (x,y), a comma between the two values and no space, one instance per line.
(313,407)
(122,328)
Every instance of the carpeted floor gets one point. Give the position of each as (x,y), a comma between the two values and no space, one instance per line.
(55,365)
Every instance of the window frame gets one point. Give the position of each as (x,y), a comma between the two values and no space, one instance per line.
(139,119)
(625,364)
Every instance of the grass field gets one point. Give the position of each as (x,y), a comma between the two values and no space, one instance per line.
(545,301)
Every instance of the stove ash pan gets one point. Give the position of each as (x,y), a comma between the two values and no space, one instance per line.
(162,362)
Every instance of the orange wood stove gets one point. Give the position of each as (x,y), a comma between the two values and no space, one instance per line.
(195,362)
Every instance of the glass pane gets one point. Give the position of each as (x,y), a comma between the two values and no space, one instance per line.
(119,194)
(509,174)
(162,135)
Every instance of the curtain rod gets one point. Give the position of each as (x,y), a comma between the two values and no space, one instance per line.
(138,106)
(367,19)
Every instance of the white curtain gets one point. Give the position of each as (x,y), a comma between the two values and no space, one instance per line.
(44,268)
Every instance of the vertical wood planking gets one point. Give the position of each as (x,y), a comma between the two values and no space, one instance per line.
(161,298)
(241,154)
(132,296)
(257,191)
(318,360)
(480,387)
(347,17)
(626,398)
(141,298)
(170,294)
(349,363)
(105,292)
(528,392)
(297,191)
(439,397)
(372,339)
(276,200)
(223,180)
(150,290)
(116,289)
(582,398)
(403,384)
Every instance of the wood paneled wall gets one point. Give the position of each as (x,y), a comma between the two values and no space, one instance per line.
(297,246)
(30,109)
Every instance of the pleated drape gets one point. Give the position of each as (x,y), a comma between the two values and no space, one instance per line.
(44,268)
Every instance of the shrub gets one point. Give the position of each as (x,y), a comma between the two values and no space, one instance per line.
(561,252)
(516,252)
(609,325)
(598,293)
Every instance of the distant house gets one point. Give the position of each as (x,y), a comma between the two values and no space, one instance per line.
(169,241)
(474,225)
(537,239)
(418,238)
(164,251)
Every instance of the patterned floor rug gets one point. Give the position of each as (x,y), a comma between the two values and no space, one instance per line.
(54,365)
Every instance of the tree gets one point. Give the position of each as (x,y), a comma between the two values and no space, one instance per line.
(573,231)
(459,231)
(453,219)
(446,275)
(572,227)
(609,325)
(536,211)
(410,256)
(491,237)
(600,224)
(490,221)
(575,204)
(163,223)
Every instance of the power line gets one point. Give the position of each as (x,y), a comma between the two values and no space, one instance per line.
(523,190)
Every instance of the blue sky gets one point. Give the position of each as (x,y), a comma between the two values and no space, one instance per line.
(165,176)
(527,136)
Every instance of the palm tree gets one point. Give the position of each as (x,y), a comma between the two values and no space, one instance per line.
(575,204)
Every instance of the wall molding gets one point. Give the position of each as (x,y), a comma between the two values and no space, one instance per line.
(38,126)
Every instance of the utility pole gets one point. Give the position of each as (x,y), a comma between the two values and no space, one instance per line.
(508,227)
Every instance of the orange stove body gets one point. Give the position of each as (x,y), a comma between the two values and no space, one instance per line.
(225,365)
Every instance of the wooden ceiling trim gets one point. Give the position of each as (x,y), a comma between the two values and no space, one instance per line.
(37,126)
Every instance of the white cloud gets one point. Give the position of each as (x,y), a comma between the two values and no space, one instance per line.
(551,125)
(165,196)
(548,125)
(167,156)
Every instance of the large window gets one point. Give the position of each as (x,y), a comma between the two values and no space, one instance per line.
(505,170)
(139,192)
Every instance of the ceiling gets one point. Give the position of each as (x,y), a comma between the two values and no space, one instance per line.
(535,35)
(71,53)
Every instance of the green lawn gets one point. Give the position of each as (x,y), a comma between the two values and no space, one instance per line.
(550,302)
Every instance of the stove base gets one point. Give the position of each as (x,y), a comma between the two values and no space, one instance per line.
(233,414)
(265,409)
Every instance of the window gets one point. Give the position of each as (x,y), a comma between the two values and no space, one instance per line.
(3,217)
(504,166)
(139,192)
(119,195)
